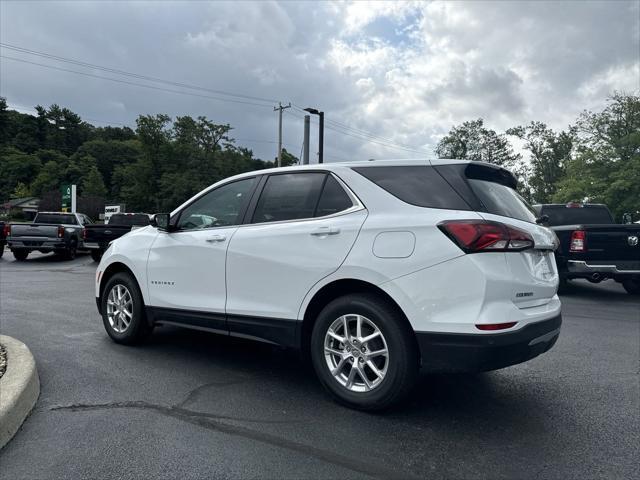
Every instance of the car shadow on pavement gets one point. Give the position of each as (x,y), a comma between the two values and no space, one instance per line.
(584,289)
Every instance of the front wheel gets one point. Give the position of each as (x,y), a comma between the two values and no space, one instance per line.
(20,255)
(632,286)
(364,353)
(123,310)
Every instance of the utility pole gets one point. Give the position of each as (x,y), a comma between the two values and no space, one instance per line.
(305,151)
(315,111)
(280,108)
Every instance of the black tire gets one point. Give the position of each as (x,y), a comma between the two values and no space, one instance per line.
(563,286)
(20,255)
(1,249)
(96,255)
(632,286)
(138,328)
(72,250)
(403,359)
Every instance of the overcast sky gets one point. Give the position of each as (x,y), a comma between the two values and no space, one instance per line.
(404,72)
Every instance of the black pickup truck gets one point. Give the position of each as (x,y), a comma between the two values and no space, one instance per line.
(592,245)
(3,237)
(96,238)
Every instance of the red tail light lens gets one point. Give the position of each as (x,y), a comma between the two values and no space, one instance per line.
(84,233)
(60,232)
(495,326)
(474,236)
(6,230)
(578,241)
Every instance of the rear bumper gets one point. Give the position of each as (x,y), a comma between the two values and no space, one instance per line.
(462,352)
(37,244)
(583,268)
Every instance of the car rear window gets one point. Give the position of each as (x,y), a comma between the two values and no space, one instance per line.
(55,218)
(563,215)
(417,185)
(128,220)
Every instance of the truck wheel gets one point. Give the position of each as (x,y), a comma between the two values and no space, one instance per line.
(20,255)
(72,250)
(1,250)
(122,310)
(632,286)
(96,255)
(364,353)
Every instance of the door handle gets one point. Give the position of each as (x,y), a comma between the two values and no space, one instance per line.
(216,238)
(324,231)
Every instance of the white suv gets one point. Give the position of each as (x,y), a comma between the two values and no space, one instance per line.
(375,269)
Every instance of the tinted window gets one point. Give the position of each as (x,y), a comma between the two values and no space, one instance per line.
(56,218)
(289,197)
(561,215)
(135,219)
(421,186)
(218,208)
(333,198)
(502,200)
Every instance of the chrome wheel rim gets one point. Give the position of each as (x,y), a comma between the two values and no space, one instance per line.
(356,353)
(119,308)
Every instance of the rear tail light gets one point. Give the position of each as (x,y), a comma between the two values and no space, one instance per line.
(495,326)
(578,241)
(84,233)
(6,230)
(475,236)
(60,232)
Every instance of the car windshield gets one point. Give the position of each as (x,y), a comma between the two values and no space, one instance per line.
(55,218)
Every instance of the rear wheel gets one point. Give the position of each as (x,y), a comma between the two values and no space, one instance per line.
(364,353)
(72,250)
(96,255)
(20,255)
(123,310)
(632,286)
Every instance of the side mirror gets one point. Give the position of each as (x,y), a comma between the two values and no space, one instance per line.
(161,221)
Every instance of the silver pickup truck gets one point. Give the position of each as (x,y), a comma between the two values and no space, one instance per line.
(50,232)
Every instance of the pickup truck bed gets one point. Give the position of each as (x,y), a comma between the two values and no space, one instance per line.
(595,251)
(96,238)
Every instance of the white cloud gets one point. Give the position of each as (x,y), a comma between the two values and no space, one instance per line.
(406,71)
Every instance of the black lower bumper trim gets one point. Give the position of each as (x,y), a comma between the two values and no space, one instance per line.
(461,352)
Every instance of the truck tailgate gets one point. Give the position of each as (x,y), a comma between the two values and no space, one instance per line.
(34,231)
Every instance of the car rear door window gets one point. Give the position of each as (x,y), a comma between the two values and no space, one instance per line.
(333,199)
(289,196)
(418,185)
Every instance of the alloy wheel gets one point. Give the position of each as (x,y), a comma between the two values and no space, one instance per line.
(119,308)
(356,353)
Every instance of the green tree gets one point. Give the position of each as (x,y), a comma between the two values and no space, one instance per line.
(606,167)
(16,167)
(49,178)
(21,191)
(550,152)
(93,184)
(473,141)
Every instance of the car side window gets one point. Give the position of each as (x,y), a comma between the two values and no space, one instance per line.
(221,207)
(333,198)
(289,196)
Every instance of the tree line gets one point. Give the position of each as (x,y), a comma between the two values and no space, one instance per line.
(596,159)
(164,161)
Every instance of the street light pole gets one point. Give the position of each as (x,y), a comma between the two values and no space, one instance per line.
(314,111)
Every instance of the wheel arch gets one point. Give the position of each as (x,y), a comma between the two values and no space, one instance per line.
(110,271)
(336,289)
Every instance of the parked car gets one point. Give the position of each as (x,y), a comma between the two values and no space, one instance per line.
(592,245)
(3,237)
(50,232)
(374,269)
(96,238)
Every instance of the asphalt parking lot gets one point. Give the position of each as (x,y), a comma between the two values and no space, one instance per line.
(193,405)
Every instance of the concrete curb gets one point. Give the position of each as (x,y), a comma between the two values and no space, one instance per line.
(19,388)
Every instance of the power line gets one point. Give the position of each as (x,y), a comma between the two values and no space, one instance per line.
(131,74)
(126,82)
